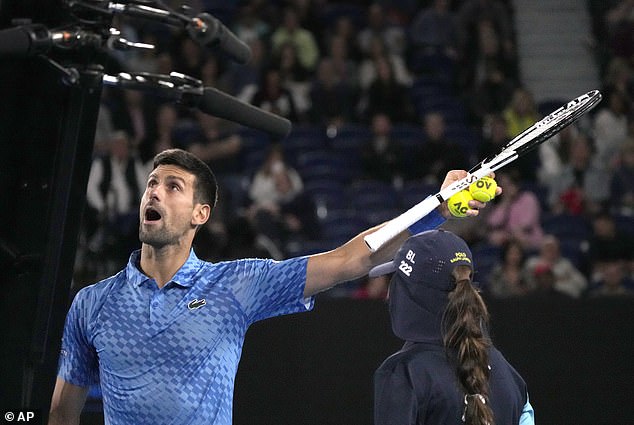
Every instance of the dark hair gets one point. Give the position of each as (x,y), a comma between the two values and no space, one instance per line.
(205,185)
(464,322)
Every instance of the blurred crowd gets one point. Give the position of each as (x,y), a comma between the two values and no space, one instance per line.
(384,99)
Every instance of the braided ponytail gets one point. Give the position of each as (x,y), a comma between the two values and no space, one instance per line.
(464,338)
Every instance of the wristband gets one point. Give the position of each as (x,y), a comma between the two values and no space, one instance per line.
(430,221)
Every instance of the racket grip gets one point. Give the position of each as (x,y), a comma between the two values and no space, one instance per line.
(394,227)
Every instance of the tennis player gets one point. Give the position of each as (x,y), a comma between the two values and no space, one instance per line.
(163,337)
(448,372)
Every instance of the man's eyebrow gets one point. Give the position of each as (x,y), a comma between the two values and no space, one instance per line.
(168,177)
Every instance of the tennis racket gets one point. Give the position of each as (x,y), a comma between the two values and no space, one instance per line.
(522,143)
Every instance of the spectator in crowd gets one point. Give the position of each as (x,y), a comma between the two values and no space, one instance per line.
(166,121)
(386,95)
(242,80)
(486,50)
(438,154)
(619,77)
(491,94)
(332,101)
(294,76)
(134,114)
(280,209)
(582,187)
(496,135)
(521,112)
(434,30)
(115,184)
(509,278)
(368,68)
(216,143)
(273,97)
(103,130)
(568,279)
(344,29)
(211,73)
(554,155)
(610,128)
(622,183)
(620,27)
(491,54)
(516,215)
(472,12)
(303,40)
(145,60)
(249,26)
(189,57)
(607,244)
(544,279)
(613,281)
(345,67)
(263,186)
(381,155)
(391,36)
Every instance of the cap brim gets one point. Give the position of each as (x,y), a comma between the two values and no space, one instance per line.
(382,269)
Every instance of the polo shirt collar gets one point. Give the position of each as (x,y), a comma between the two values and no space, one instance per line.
(183,276)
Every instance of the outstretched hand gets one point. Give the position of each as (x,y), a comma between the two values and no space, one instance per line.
(474,205)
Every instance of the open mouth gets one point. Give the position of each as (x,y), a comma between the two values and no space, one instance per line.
(152,215)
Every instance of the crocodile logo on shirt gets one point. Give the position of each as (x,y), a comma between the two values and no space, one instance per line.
(196,303)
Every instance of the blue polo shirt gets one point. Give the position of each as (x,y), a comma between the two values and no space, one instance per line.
(170,355)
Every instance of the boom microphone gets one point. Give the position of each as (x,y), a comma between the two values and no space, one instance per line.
(210,32)
(25,40)
(34,39)
(217,103)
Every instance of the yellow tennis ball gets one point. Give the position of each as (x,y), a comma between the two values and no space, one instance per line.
(459,203)
(483,190)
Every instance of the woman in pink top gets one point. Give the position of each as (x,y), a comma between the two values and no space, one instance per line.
(516,215)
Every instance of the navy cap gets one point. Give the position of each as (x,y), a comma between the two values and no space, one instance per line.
(428,257)
(422,280)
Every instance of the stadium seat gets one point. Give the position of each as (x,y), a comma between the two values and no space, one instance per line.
(566,226)
(414,192)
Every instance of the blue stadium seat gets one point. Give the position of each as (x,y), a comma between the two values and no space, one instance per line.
(304,138)
(408,136)
(372,194)
(317,165)
(485,257)
(624,223)
(381,215)
(327,194)
(566,226)
(414,192)
(574,249)
(340,226)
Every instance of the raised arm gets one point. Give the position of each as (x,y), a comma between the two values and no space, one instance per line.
(354,259)
(67,403)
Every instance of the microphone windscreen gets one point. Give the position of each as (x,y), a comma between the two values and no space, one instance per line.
(222,105)
(14,41)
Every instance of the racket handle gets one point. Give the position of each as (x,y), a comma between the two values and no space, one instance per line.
(392,228)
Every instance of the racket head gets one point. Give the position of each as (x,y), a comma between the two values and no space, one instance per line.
(544,129)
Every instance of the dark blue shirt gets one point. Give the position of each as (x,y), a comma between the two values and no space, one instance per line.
(418,385)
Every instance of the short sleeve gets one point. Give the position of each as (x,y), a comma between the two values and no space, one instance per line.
(269,288)
(78,363)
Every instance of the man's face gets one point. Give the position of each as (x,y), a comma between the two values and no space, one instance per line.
(167,206)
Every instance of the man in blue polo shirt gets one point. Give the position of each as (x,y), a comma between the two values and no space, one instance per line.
(163,336)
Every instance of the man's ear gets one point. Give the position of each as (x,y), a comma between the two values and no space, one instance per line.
(202,213)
